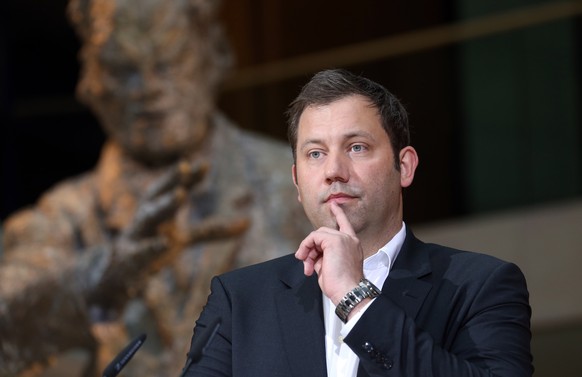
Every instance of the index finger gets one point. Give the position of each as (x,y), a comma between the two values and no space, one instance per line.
(152,213)
(184,174)
(342,220)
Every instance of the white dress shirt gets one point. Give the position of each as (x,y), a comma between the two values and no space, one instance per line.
(341,360)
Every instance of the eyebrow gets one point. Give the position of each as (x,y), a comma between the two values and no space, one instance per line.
(348,136)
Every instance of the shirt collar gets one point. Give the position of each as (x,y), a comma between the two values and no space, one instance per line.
(387,254)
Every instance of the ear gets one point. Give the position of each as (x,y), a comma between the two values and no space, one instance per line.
(294,175)
(408,164)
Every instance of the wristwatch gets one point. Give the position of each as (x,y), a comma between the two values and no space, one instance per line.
(364,289)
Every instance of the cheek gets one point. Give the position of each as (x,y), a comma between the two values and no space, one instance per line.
(304,191)
(390,184)
(300,194)
(377,181)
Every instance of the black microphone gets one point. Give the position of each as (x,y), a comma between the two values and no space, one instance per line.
(200,344)
(124,356)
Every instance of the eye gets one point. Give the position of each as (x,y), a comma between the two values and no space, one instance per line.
(358,148)
(314,154)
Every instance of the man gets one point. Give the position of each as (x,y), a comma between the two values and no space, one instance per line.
(362,296)
(179,195)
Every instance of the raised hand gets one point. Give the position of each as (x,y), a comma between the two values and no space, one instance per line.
(335,255)
(162,199)
(152,240)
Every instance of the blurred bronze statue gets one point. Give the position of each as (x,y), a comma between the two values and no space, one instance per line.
(179,194)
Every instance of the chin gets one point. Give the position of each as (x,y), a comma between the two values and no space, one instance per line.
(327,223)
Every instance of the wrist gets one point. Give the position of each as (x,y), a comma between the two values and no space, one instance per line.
(362,293)
(342,292)
(359,306)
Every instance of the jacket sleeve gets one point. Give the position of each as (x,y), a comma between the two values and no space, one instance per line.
(484,331)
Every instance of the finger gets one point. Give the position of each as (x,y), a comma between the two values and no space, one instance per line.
(310,262)
(166,182)
(190,173)
(317,266)
(140,253)
(309,252)
(183,174)
(342,220)
(215,228)
(152,213)
(310,243)
(308,267)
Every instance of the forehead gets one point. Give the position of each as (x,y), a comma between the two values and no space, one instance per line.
(340,121)
(146,29)
(351,111)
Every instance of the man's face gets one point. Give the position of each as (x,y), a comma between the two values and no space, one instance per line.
(147,83)
(345,156)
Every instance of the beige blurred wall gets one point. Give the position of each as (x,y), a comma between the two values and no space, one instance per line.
(546,243)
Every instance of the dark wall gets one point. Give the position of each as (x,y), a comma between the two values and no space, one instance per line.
(47,136)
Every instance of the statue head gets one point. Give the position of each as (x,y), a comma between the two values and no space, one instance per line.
(150,71)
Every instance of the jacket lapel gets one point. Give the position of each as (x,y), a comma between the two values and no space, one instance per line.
(300,309)
(403,285)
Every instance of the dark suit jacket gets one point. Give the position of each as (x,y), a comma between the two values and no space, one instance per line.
(442,312)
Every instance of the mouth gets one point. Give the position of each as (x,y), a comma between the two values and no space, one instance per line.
(154,109)
(151,113)
(339,198)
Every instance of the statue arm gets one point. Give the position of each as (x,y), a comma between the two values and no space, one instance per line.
(41,309)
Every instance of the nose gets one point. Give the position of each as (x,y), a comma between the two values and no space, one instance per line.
(143,82)
(337,168)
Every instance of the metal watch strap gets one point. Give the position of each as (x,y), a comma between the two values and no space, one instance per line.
(364,290)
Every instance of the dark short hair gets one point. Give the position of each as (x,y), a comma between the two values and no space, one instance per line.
(331,85)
